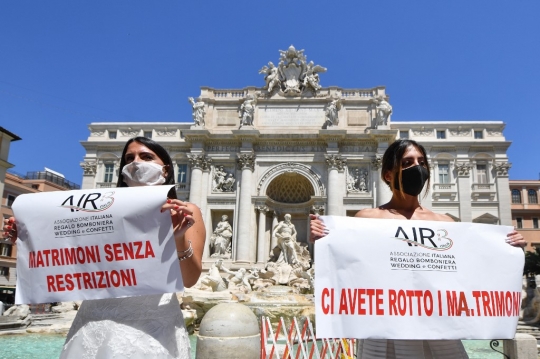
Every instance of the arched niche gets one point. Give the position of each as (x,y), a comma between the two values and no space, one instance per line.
(300,169)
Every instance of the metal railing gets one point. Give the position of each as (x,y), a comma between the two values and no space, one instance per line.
(105,185)
(182,187)
(51,177)
(293,342)
(483,187)
(444,187)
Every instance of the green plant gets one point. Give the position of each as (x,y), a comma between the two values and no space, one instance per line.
(532,263)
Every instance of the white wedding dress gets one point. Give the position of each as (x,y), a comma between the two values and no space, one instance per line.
(150,326)
(410,349)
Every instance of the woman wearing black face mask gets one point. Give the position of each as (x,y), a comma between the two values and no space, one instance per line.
(147,326)
(405,170)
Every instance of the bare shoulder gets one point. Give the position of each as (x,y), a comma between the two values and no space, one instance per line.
(432,216)
(370,213)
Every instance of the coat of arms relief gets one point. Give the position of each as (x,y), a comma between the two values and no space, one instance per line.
(293,76)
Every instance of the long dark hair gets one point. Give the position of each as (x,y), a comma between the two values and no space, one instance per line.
(157,149)
(391,162)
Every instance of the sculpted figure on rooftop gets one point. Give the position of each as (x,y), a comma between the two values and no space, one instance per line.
(293,75)
(247,111)
(331,112)
(311,76)
(272,78)
(383,111)
(198,112)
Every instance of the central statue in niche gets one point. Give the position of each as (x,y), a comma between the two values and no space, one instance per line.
(285,232)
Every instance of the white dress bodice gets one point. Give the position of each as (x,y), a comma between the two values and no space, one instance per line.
(150,326)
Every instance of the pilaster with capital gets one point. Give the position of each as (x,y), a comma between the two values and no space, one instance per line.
(463,174)
(244,252)
(204,190)
(335,164)
(503,192)
(246,161)
(501,168)
(273,239)
(382,192)
(198,163)
(425,197)
(89,168)
(262,243)
(318,209)
(89,174)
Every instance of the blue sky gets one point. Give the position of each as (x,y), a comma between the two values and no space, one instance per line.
(65,64)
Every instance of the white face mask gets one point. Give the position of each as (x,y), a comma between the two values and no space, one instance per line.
(143,174)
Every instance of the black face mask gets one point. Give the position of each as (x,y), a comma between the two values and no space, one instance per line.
(413,180)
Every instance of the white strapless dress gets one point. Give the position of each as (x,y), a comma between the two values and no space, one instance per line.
(410,349)
(145,327)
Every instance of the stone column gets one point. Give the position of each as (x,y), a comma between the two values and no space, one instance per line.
(89,175)
(335,163)
(503,193)
(246,162)
(382,192)
(204,188)
(463,170)
(262,243)
(316,209)
(198,162)
(273,239)
(204,206)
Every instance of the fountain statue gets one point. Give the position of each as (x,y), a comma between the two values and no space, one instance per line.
(220,241)
(282,287)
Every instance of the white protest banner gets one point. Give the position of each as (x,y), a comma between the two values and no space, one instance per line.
(399,279)
(94,244)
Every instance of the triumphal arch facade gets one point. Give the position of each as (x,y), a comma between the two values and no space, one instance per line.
(292,146)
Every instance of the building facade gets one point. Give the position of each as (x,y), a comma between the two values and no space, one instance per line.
(293,146)
(526,210)
(7,255)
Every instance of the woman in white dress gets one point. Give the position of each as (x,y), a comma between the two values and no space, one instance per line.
(405,170)
(150,326)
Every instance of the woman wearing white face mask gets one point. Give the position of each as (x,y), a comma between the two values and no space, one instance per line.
(150,326)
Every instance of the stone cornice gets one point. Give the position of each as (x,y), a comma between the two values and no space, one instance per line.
(196,135)
(332,135)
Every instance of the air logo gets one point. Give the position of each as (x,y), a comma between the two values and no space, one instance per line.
(425,237)
(89,202)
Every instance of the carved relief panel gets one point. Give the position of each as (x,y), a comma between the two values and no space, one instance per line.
(357,180)
(222,179)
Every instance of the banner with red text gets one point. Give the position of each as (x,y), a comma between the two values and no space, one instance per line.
(400,279)
(94,244)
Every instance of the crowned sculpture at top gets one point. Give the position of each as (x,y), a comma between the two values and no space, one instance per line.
(293,75)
